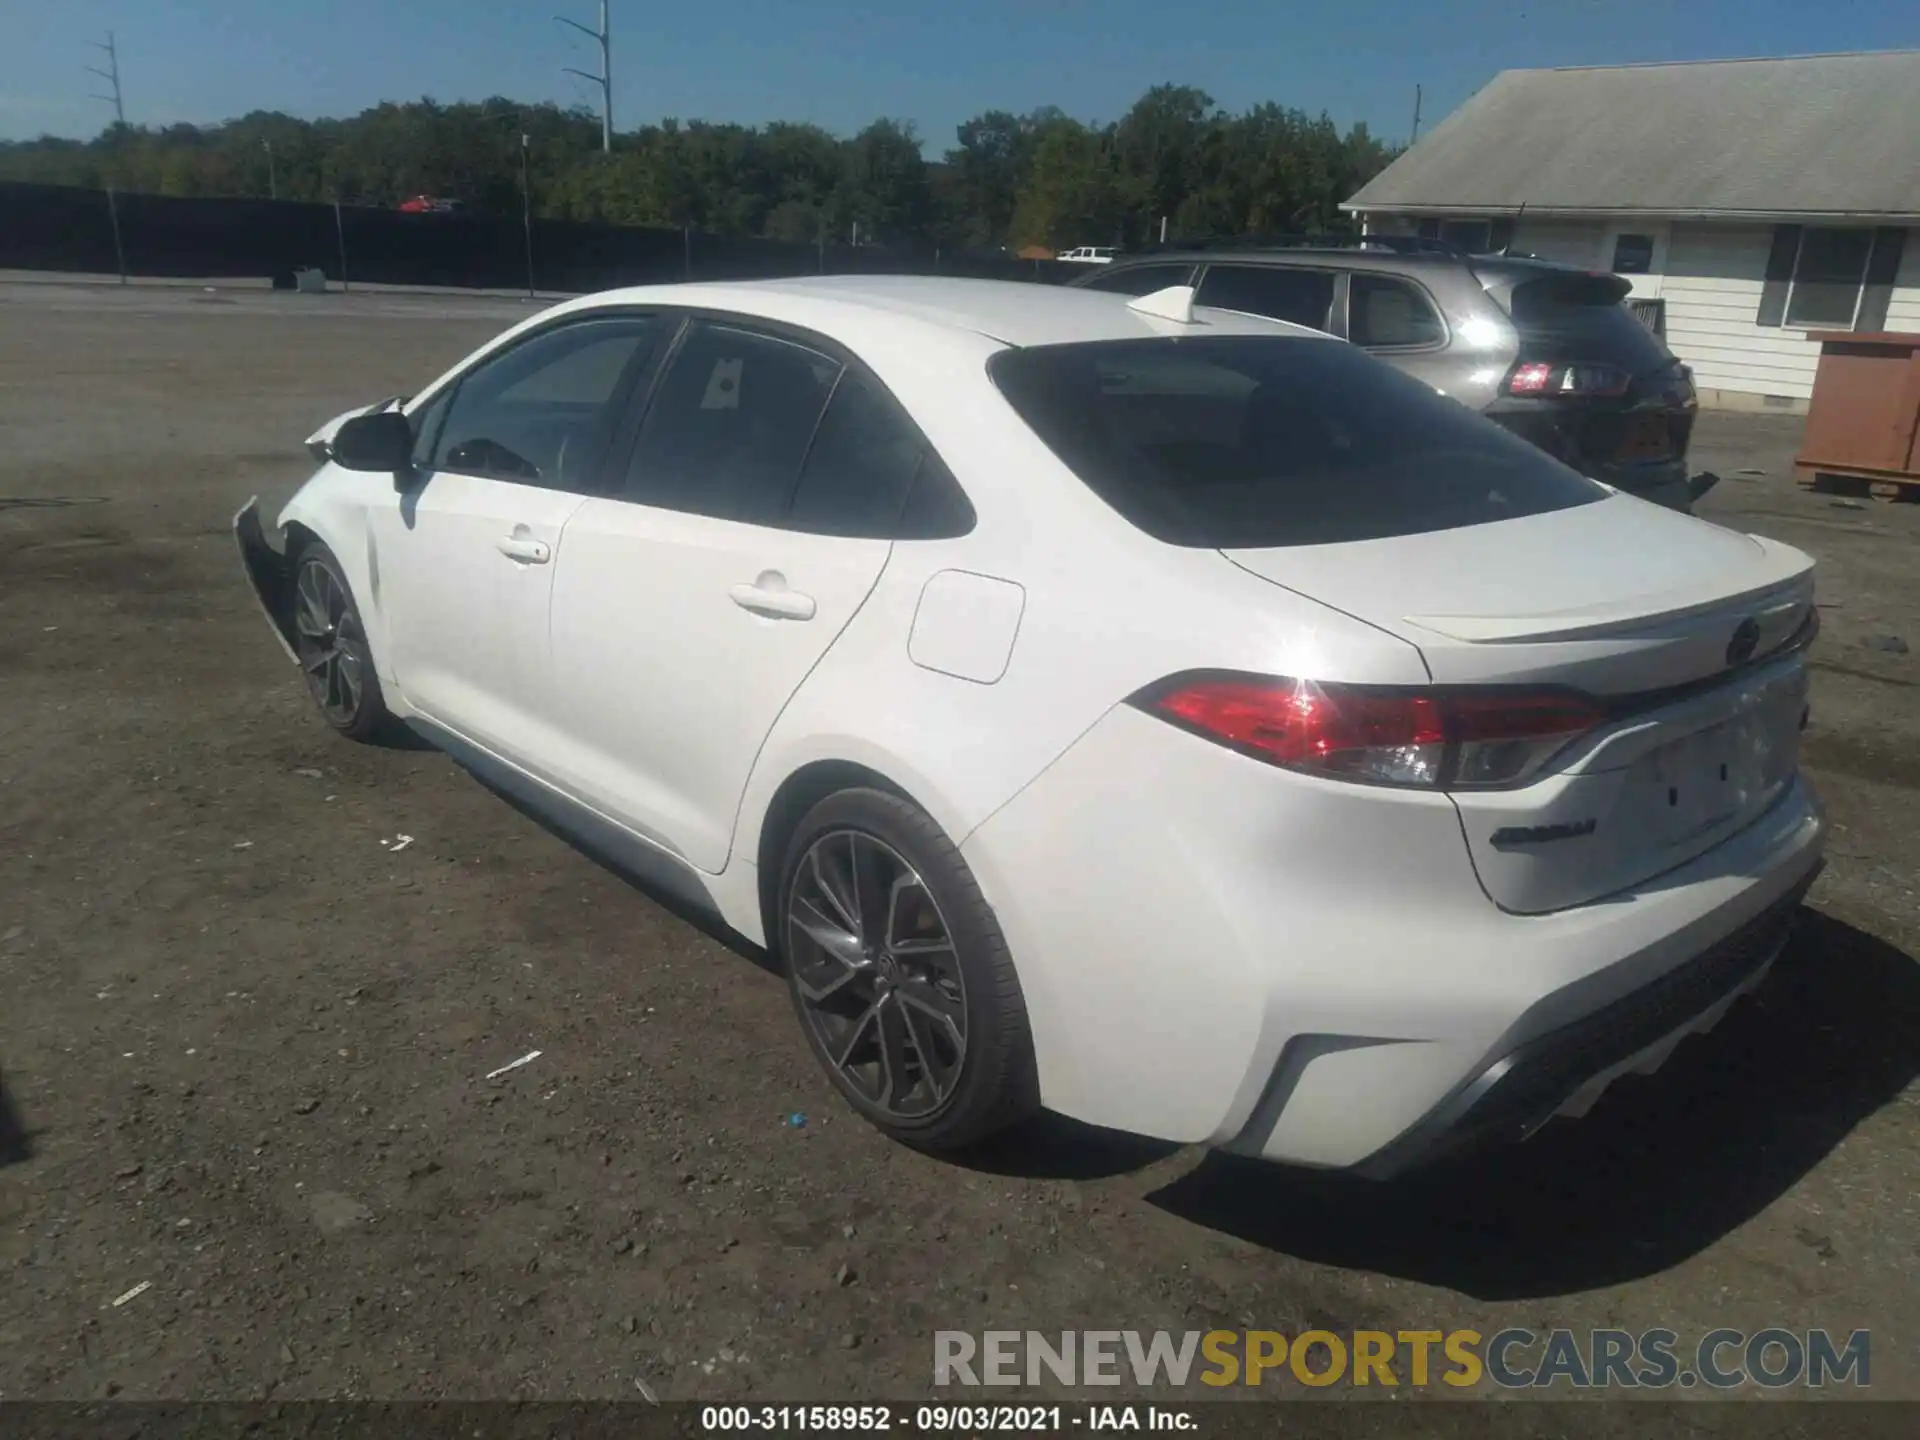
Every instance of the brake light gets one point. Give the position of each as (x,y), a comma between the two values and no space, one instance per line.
(1530,380)
(1535,378)
(1427,739)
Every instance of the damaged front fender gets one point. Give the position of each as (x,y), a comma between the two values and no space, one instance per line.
(267,575)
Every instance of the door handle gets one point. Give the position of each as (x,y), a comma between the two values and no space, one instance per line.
(776,604)
(529,552)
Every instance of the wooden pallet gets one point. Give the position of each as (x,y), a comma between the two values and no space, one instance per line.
(1905,489)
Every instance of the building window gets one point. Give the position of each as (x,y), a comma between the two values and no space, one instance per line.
(1633,255)
(1828,273)
(1473,236)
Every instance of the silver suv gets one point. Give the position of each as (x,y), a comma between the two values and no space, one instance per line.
(1548,351)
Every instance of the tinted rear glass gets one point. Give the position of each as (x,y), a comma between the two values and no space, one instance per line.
(1584,317)
(1245,441)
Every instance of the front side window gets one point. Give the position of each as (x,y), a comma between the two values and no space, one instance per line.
(730,424)
(1280,292)
(1142,279)
(536,415)
(1828,273)
(425,423)
(1389,314)
(1253,441)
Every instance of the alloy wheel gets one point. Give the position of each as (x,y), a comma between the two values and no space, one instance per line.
(330,642)
(879,981)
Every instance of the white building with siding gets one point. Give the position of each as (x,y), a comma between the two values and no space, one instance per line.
(1756,201)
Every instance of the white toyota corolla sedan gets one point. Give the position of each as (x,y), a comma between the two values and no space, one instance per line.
(1170,717)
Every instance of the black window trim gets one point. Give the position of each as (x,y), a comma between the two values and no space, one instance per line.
(639,401)
(607,432)
(1420,289)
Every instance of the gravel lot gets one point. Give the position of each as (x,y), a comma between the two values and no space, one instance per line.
(243,1040)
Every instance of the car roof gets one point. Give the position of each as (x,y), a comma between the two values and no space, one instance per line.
(1353,257)
(1012,312)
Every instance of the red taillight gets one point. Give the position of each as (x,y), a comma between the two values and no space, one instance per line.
(1428,739)
(1530,379)
(1539,377)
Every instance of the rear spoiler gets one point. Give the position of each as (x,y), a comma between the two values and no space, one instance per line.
(1784,587)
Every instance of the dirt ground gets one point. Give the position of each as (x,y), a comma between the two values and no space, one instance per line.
(243,1040)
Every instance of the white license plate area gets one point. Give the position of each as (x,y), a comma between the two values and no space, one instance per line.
(1726,772)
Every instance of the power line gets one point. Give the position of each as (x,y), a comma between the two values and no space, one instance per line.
(112,76)
(603,38)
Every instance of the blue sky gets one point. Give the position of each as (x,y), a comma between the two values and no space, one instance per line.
(841,63)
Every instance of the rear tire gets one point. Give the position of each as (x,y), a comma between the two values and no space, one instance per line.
(900,976)
(330,641)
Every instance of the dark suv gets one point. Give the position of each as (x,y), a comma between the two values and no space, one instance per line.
(1548,351)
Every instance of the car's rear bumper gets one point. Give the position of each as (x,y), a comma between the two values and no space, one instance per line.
(1590,441)
(1564,1071)
(266,572)
(1220,952)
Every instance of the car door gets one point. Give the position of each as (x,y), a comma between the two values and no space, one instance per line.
(758,509)
(464,558)
(1280,292)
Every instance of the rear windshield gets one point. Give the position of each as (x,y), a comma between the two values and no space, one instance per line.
(1248,441)
(1584,317)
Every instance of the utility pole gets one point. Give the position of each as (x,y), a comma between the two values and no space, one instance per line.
(603,38)
(112,76)
(1416,116)
(526,210)
(273,185)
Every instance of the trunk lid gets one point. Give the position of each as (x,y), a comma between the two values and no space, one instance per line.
(1669,620)
(1616,598)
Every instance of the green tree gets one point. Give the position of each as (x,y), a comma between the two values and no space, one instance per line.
(1041,177)
(1070,194)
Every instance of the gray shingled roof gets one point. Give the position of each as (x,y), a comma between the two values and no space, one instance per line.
(1814,135)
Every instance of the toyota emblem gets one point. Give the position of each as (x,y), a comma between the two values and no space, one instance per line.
(1746,639)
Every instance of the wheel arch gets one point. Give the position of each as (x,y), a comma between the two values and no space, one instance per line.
(298,535)
(805,788)
(320,518)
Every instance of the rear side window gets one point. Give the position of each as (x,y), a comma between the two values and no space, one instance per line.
(872,474)
(730,425)
(1280,292)
(1142,279)
(1585,318)
(1247,442)
(1388,314)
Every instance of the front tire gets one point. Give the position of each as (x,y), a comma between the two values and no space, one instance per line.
(900,975)
(330,640)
